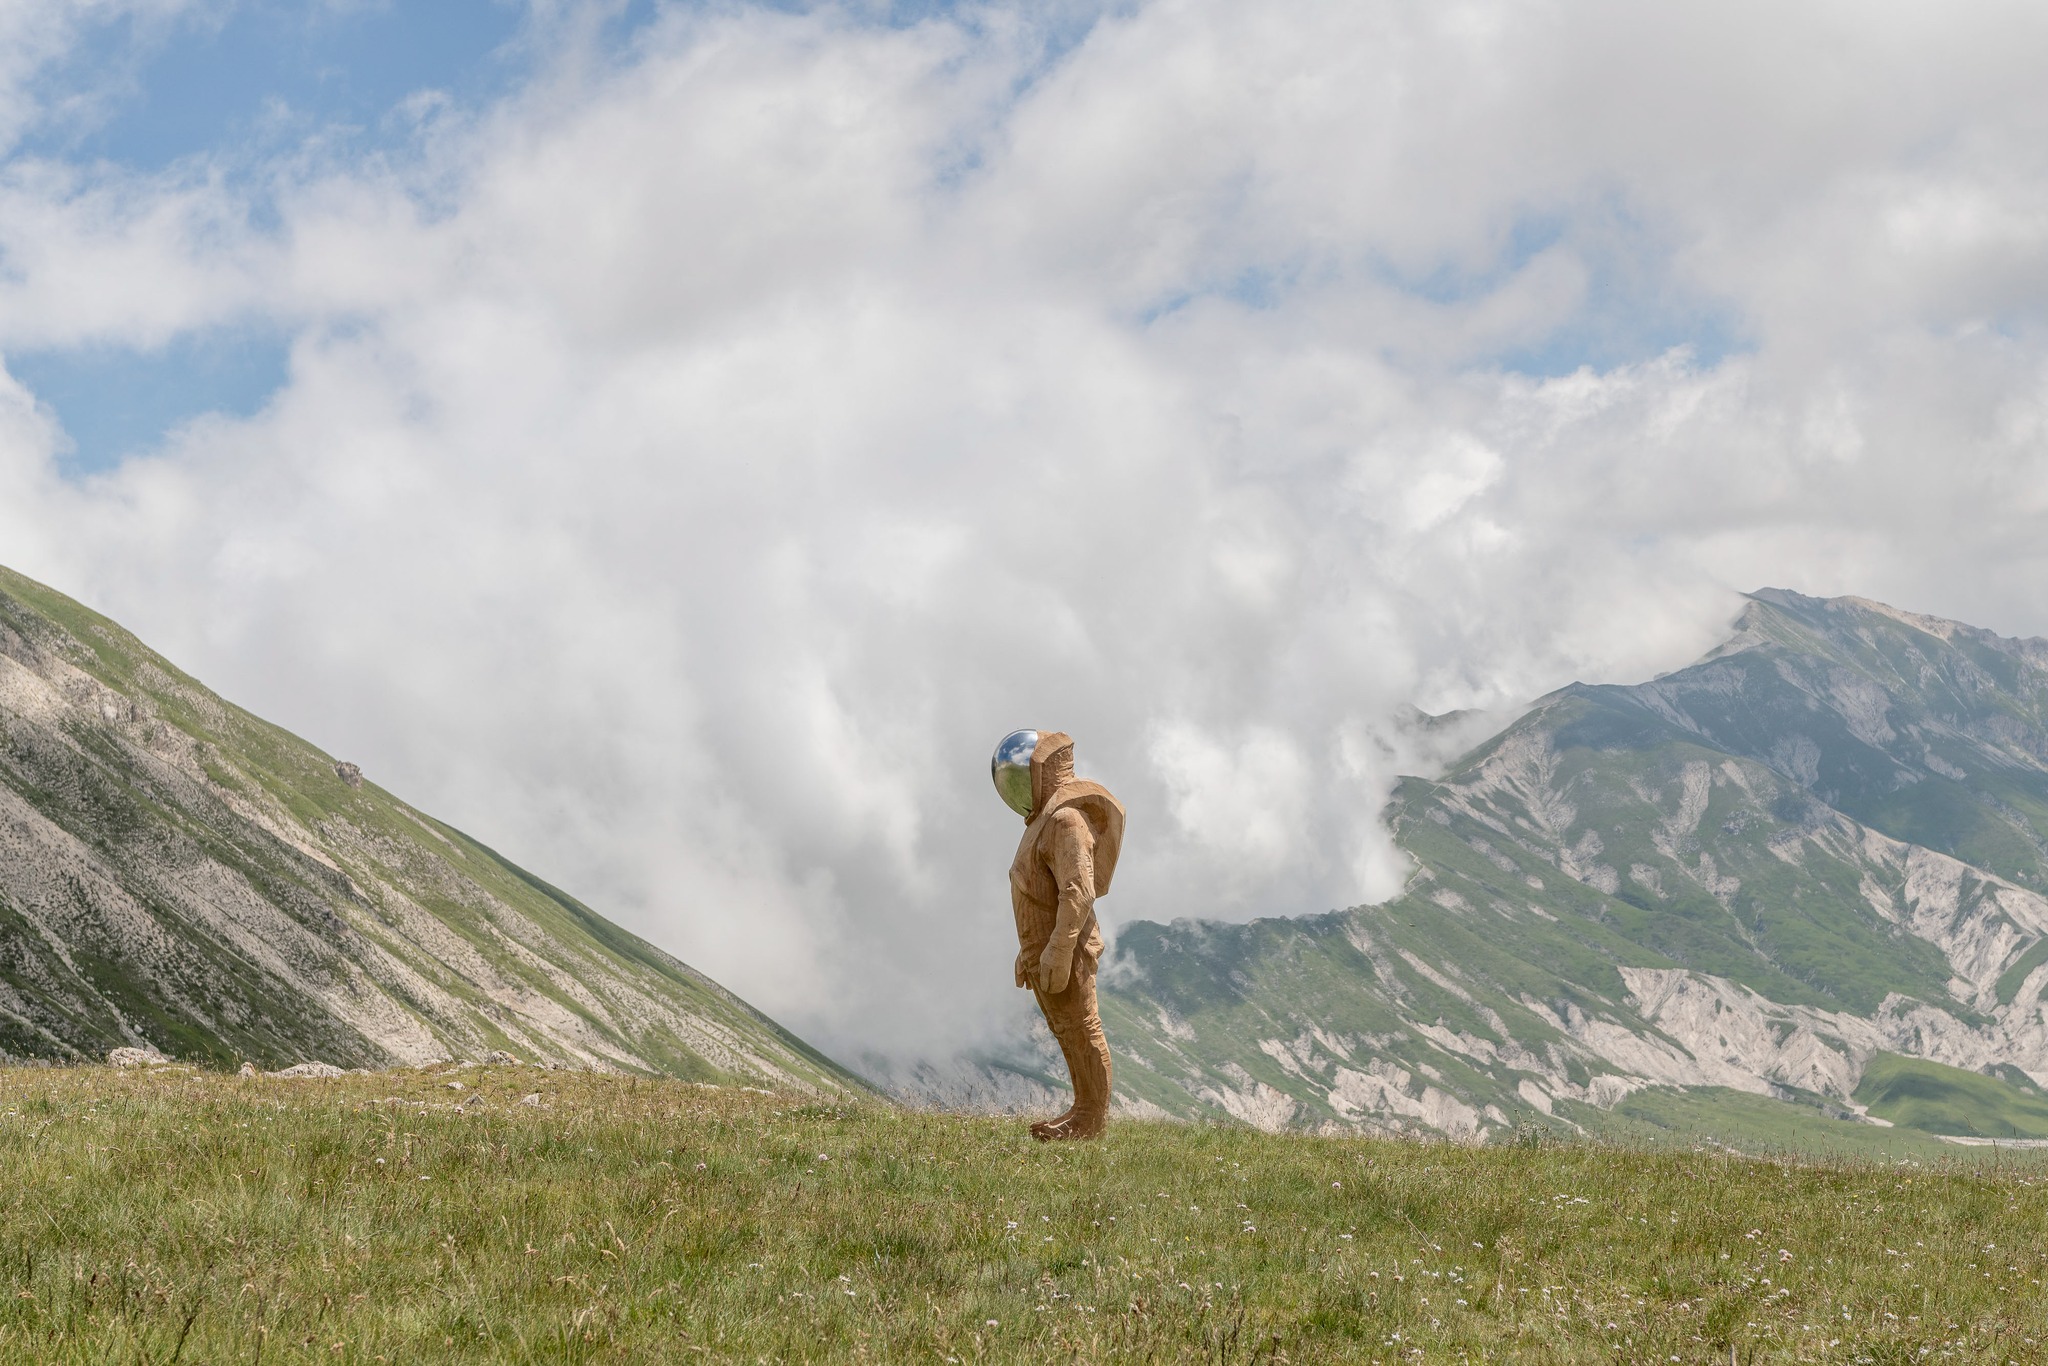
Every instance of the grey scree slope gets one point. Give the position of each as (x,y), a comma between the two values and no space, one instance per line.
(1755,888)
(177,874)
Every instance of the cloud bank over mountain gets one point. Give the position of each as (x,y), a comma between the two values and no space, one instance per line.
(691,460)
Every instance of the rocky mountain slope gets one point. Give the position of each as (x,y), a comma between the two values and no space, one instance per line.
(1804,877)
(176,874)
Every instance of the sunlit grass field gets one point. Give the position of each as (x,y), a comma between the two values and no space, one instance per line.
(547,1216)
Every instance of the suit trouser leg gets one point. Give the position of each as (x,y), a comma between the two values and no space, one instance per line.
(1066,1052)
(1076,1023)
(1051,1007)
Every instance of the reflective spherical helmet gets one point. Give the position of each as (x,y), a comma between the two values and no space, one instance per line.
(1011,768)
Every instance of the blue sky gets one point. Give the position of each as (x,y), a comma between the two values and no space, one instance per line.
(234,85)
(237,88)
(241,77)
(114,400)
(231,86)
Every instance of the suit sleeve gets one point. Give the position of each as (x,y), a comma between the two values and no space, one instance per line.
(1073,868)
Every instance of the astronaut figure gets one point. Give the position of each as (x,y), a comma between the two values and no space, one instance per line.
(1072,832)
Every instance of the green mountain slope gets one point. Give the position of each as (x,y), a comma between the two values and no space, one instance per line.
(1819,845)
(178,874)
(1947,1100)
(1933,732)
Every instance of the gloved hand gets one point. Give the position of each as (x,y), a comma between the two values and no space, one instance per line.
(1026,968)
(1054,969)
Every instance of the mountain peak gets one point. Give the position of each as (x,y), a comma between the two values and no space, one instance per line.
(1823,612)
(1824,843)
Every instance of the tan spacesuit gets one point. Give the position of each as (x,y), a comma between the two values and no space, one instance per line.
(1073,831)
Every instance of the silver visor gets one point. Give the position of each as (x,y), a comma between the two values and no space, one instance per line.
(1011,768)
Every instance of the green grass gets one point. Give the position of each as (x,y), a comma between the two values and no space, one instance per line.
(1918,1094)
(2015,977)
(187,1216)
(1811,1127)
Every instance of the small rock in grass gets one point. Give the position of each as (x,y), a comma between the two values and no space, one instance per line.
(498,1057)
(308,1069)
(136,1057)
(533,1099)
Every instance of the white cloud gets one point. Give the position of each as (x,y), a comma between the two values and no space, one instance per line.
(691,466)
(1241,802)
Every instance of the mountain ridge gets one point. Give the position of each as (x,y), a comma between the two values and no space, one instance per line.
(1819,846)
(180,875)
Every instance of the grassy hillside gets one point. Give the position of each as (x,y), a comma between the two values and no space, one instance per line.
(1947,1100)
(177,872)
(1806,1127)
(513,1214)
